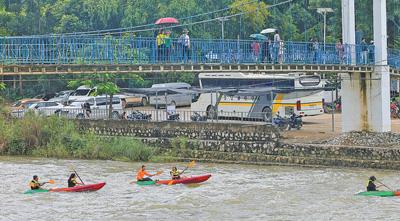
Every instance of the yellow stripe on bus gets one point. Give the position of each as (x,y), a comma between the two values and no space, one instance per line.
(278,100)
(242,104)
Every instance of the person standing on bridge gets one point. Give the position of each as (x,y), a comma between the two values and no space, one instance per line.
(184,41)
(160,45)
(364,51)
(340,50)
(277,46)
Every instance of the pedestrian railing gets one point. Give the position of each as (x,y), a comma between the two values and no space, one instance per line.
(76,50)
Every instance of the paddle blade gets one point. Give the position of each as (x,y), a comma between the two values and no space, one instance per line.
(191,164)
(51,181)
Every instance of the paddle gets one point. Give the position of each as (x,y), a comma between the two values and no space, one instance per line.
(76,173)
(190,165)
(50,182)
(384,185)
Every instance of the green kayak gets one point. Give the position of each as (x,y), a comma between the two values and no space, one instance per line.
(36,191)
(377,193)
(145,183)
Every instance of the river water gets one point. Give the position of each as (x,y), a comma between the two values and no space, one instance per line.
(234,192)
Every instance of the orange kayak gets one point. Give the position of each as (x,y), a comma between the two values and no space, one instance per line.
(80,188)
(186,180)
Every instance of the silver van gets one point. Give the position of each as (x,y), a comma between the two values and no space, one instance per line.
(171,94)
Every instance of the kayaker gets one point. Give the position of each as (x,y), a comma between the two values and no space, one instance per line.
(175,174)
(34,184)
(371,184)
(72,180)
(142,173)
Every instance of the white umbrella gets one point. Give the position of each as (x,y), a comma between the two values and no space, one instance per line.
(268,30)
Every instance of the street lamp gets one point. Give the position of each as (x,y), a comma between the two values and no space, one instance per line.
(222,20)
(323,12)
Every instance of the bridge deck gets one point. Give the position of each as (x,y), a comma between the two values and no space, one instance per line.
(129,54)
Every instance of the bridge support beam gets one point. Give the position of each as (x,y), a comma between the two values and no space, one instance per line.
(366,96)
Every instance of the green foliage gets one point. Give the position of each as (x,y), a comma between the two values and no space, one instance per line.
(58,137)
(108,88)
(2,86)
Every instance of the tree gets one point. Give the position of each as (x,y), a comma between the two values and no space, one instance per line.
(108,88)
(2,86)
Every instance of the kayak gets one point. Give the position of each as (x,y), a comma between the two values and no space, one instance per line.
(379,193)
(81,188)
(186,180)
(145,183)
(36,191)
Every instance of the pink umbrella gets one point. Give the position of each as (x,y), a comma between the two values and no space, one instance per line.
(168,20)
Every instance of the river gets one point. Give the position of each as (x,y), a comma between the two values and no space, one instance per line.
(233,192)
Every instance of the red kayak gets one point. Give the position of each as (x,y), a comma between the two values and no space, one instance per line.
(80,188)
(186,180)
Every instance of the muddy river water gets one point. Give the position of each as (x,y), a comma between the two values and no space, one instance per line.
(234,192)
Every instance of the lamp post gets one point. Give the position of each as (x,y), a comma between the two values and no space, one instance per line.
(323,12)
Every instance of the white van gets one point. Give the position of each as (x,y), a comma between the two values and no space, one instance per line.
(166,95)
(99,107)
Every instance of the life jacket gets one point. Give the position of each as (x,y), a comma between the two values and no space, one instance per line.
(34,185)
(140,175)
(174,173)
(72,182)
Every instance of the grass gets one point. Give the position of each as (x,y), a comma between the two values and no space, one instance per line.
(59,138)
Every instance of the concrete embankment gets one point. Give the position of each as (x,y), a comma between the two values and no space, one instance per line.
(238,143)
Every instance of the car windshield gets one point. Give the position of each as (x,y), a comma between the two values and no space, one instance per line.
(17,104)
(81,92)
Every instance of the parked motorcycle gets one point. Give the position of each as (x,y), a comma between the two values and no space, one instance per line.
(280,122)
(197,117)
(139,116)
(295,121)
(173,117)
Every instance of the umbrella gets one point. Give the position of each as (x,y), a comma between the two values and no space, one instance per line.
(258,36)
(168,20)
(268,30)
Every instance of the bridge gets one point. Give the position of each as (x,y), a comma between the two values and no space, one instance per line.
(127,53)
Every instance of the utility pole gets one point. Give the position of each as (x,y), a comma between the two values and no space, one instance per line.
(222,20)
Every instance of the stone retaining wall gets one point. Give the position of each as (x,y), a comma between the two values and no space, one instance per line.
(234,143)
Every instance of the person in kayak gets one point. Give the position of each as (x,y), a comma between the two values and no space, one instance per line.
(142,173)
(371,184)
(175,174)
(34,184)
(72,180)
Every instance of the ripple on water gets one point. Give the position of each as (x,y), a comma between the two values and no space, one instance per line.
(233,192)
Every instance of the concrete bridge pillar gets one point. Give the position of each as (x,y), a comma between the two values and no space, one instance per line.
(366,96)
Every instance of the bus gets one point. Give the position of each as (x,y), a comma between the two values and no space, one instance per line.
(259,95)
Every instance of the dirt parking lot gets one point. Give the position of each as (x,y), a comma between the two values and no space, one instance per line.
(318,128)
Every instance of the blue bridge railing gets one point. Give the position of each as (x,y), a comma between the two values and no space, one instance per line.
(139,50)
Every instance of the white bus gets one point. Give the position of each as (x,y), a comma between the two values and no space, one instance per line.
(286,96)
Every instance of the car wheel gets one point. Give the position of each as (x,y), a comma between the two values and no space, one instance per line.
(115,115)
(267,114)
(211,112)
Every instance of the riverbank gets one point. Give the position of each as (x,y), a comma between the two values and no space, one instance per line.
(60,138)
(233,143)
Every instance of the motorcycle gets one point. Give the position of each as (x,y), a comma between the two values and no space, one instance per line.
(197,117)
(139,116)
(173,117)
(295,121)
(280,122)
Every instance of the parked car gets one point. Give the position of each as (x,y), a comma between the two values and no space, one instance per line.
(46,108)
(170,94)
(134,100)
(62,97)
(99,108)
(24,103)
(82,92)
